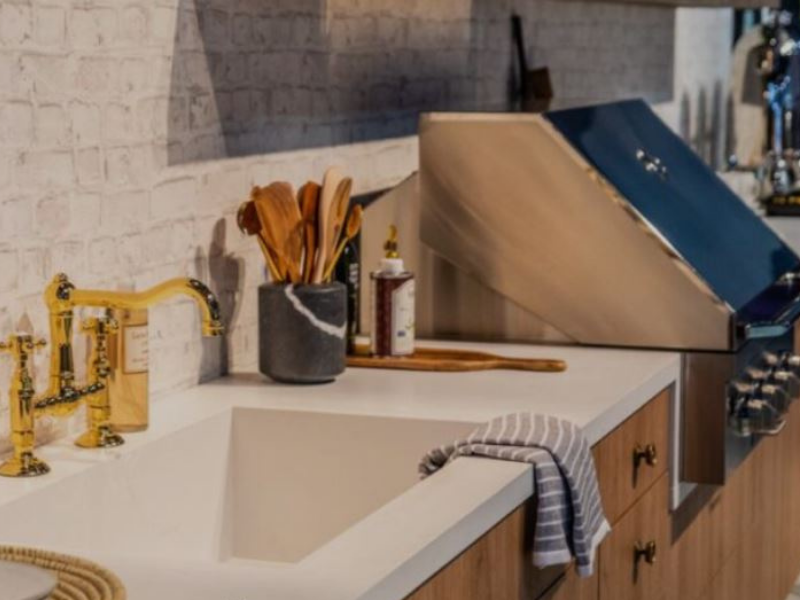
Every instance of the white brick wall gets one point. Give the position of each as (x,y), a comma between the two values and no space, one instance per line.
(117,121)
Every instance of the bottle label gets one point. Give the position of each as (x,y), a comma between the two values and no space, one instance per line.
(136,341)
(403,319)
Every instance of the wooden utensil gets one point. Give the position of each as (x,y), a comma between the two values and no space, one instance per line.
(294,240)
(309,208)
(281,224)
(249,223)
(341,203)
(351,230)
(330,184)
(449,360)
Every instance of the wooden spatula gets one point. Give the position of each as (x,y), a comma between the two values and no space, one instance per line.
(285,194)
(281,223)
(249,223)
(351,231)
(309,208)
(330,184)
(341,204)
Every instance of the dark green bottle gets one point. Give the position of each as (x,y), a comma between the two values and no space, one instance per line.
(348,271)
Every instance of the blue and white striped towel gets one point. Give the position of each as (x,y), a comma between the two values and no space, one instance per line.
(570,521)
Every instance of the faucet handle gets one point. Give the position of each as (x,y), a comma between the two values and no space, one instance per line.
(100,325)
(98,329)
(100,433)
(24,462)
(22,341)
(21,346)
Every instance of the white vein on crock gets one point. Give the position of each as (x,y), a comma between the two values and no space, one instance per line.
(334,330)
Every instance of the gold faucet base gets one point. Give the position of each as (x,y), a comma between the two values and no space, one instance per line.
(103,437)
(26,466)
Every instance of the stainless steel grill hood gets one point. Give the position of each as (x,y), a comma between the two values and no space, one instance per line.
(606,229)
(606,226)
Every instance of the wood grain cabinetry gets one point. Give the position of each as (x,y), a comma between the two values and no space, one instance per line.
(628,571)
(468,578)
(624,476)
(738,542)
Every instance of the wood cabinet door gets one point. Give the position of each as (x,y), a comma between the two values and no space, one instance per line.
(626,574)
(572,587)
(623,477)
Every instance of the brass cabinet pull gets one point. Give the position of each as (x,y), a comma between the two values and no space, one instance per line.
(646,552)
(648,455)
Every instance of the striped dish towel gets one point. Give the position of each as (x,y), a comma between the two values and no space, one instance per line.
(569,514)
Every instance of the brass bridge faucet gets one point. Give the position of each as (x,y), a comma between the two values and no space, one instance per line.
(63,396)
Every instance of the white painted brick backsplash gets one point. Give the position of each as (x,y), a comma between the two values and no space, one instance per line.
(50,25)
(16,23)
(52,216)
(118,120)
(9,267)
(16,124)
(52,126)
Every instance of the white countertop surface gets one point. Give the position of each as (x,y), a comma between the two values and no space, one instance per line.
(395,549)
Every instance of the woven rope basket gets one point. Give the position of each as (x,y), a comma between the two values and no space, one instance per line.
(78,579)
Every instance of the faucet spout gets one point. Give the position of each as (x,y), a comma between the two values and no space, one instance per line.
(61,297)
(206,301)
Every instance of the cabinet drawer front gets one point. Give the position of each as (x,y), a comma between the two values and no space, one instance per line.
(572,587)
(635,558)
(633,456)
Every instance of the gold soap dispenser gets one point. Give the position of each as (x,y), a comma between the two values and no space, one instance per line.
(130,367)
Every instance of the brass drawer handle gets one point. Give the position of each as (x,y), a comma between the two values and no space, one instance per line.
(648,455)
(646,552)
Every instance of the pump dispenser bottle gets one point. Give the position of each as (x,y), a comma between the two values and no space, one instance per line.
(392,295)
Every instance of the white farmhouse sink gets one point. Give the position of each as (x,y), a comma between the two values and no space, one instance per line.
(253,484)
(244,489)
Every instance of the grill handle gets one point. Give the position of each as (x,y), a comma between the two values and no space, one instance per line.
(770,329)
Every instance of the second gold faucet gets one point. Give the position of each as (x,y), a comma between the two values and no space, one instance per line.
(63,396)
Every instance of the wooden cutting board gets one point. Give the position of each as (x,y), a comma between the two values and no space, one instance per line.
(448,360)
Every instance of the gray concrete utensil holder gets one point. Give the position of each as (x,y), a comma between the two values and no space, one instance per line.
(302,332)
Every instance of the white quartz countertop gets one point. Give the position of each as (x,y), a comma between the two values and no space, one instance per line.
(386,555)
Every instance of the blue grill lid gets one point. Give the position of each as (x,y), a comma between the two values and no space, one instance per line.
(736,253)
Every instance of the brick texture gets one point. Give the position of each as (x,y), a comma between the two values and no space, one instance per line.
(130,131)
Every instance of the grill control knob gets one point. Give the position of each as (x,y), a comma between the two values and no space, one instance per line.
(755,415)
(756,375)
(742,389)
(789,381)
(791,362)
(739,417)
(763,417)
(776,395)
(771,359)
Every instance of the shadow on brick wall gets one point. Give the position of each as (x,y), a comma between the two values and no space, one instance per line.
(259,77)
(254,77)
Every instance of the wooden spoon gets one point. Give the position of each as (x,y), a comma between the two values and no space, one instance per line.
(249,223)
(294,240)
(330,184)
(281,224)
(341,203)
(351,230)
(309,208)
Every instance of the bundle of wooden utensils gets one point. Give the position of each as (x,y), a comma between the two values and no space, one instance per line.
(302,235)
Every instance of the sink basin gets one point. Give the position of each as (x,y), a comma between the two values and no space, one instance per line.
(245,485)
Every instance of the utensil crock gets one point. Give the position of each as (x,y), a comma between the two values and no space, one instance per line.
(302,331)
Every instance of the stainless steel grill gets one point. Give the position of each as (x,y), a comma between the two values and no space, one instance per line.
(604,225)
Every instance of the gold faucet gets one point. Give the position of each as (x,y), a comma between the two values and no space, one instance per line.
(63,396)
